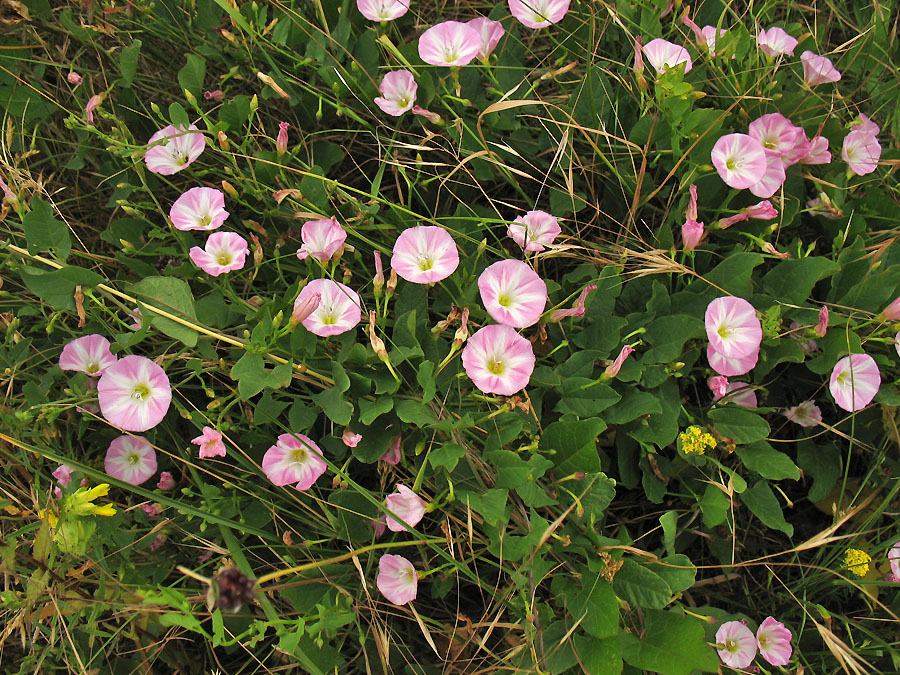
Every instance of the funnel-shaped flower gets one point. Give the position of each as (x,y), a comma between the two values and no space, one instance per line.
(210,443)
(131,459)
(89,354)
(397,579)
(534,230)
(134,393)
(425,254)
(854,381)
(734,366)
(664,55)
(691,234)
(775,133)
(806,414)
(490,33)
(512,293)
(736,644)
(172,149)
(382,10)
(405,505)
(539,13)
(498,360)
(776,41)
(200,208)
(339,308)
(321,239)
(732,327)
(772,179)
(861,151)
(774,641)
(224,252)
(818,69)
(740,160)
(398,92)
(449,43)
(294,459)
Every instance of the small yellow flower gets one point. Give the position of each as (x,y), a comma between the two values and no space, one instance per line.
(857,561)
(81,502)
(694,439)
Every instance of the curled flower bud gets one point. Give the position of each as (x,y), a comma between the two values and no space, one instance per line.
(613,369)
(377,342)
(74,78)
(223,140)
(282,140)
(462,332)
(92,103)
(822,324)
(304,306)
(378,280)
(577,308)
(215,95)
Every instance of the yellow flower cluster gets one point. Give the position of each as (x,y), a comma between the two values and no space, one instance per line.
(857,561)
(694,439)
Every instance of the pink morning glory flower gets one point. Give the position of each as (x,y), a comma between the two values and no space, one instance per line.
(613,368)
(449,43)
(498,360)
(294,459)
(774,641)
(382,10)
(350,439)
(321,239)
(775,133)
(731,367)
(740,160)
(407,506)
(709,34)
(513,293)
(864,124)
(200,208)
(816,152)
(166,481)
(818,69)
(398,92)
(775,41)
(131,459)
(736,644)
(134,393)
(539,13)
(855,381)
(172,149)
(224,252)
(394,453)
(691,234)
(664,55)
(74,78)
(425,254)
(894,559)
(861,151)
(732,327)
(772,179)
(211,444)
(89,354)
(534,231)
(806,414)
(892,311)
(490,33)
(338,311)
(397,579)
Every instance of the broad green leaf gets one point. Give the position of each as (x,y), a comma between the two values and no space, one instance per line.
(823,463)
(733,275)
(585,398)
(677,570)
(425,379)
(668,334)
(739,424)
(669,523)
(791,281)
(514,473)
(634,404)
(638,585)
(765,460)
(575,445)
(763,504)
(490,504)
(193,73)
(128,62)
(57,288)
(173,296)
(178,115)
(338,409)
(599,657)
(447,456)
(595,492)
(593,605)
(250,373)
(714,504)
(44,232)
(369,411)
(673,644)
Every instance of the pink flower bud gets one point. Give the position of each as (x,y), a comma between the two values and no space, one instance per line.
(74,78)
(394,453)
(432,117)
(350,439)
(691,212)
(282,140)
(695,29)
(166,482)
(215,95)
(691,234)
(577,308)
(92,103)
(731,220)
(462,332)
(613,369)
(762,211)
(822,325)
(378,280)
(892,311)
(304,307)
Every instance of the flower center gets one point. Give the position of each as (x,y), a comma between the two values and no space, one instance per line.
(842,378)
(731,164)
(770,143)
(299,455)
(140,392)
(731,645)
(496,366)
(763,641)
(93,367)
(133,458)
(425,262)
(204,221)
(724,332)
(328,318)
(224,259)
(504,300)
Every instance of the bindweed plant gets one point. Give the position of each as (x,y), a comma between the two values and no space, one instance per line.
(378,336)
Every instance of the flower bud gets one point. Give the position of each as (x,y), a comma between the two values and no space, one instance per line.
(378,280)
(305,308)
(462,333)
(214,95)
(822,325)
(691,234)
(223,140)
(190,98)
(377,342)
(391,285)
(229,189)
(230,589)
(74,78)
(282,141)
(613,369)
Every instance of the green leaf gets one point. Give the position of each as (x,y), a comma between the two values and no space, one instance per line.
(369,411)
(594,605)
(575,444)
(187,621)
(823,463)
(742,425)
(635,403)
(490,504)
(413,412)
(676,570)
(335,406)
(425,378)
(57,288)
(765,460)
(515,473)
(668,334)
(669,523)
(599,657)
(791,281)
(585,398)
(173,296)
(640,586)
(193,73)
(714,505)
(447,456)
(733,274)
(178,115)
(673,644)
(600,491)
(250,373)
(44,232)
(763,504)
(128,62)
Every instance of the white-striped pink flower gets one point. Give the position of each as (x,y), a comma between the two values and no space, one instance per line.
(664,55)
(406,506)
(224,252)
(339,308)
(322,239)
(772,179)
(534,231)
(806,414)
(490,33)
(425,254)
(172,149)
(131,459)
(774,642)
(513,293)
(200,208)
(539,13)
(89,354)
(740,160)
(398,92)
(775,133)
(776,41)
(861,151)
(736,644)
(397,579)
(134,393)
(498,360)
(211,444)
(854,381)
(382,10)
(449,43)
(294,459)
(818,69)
(732,327)
(731,366)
